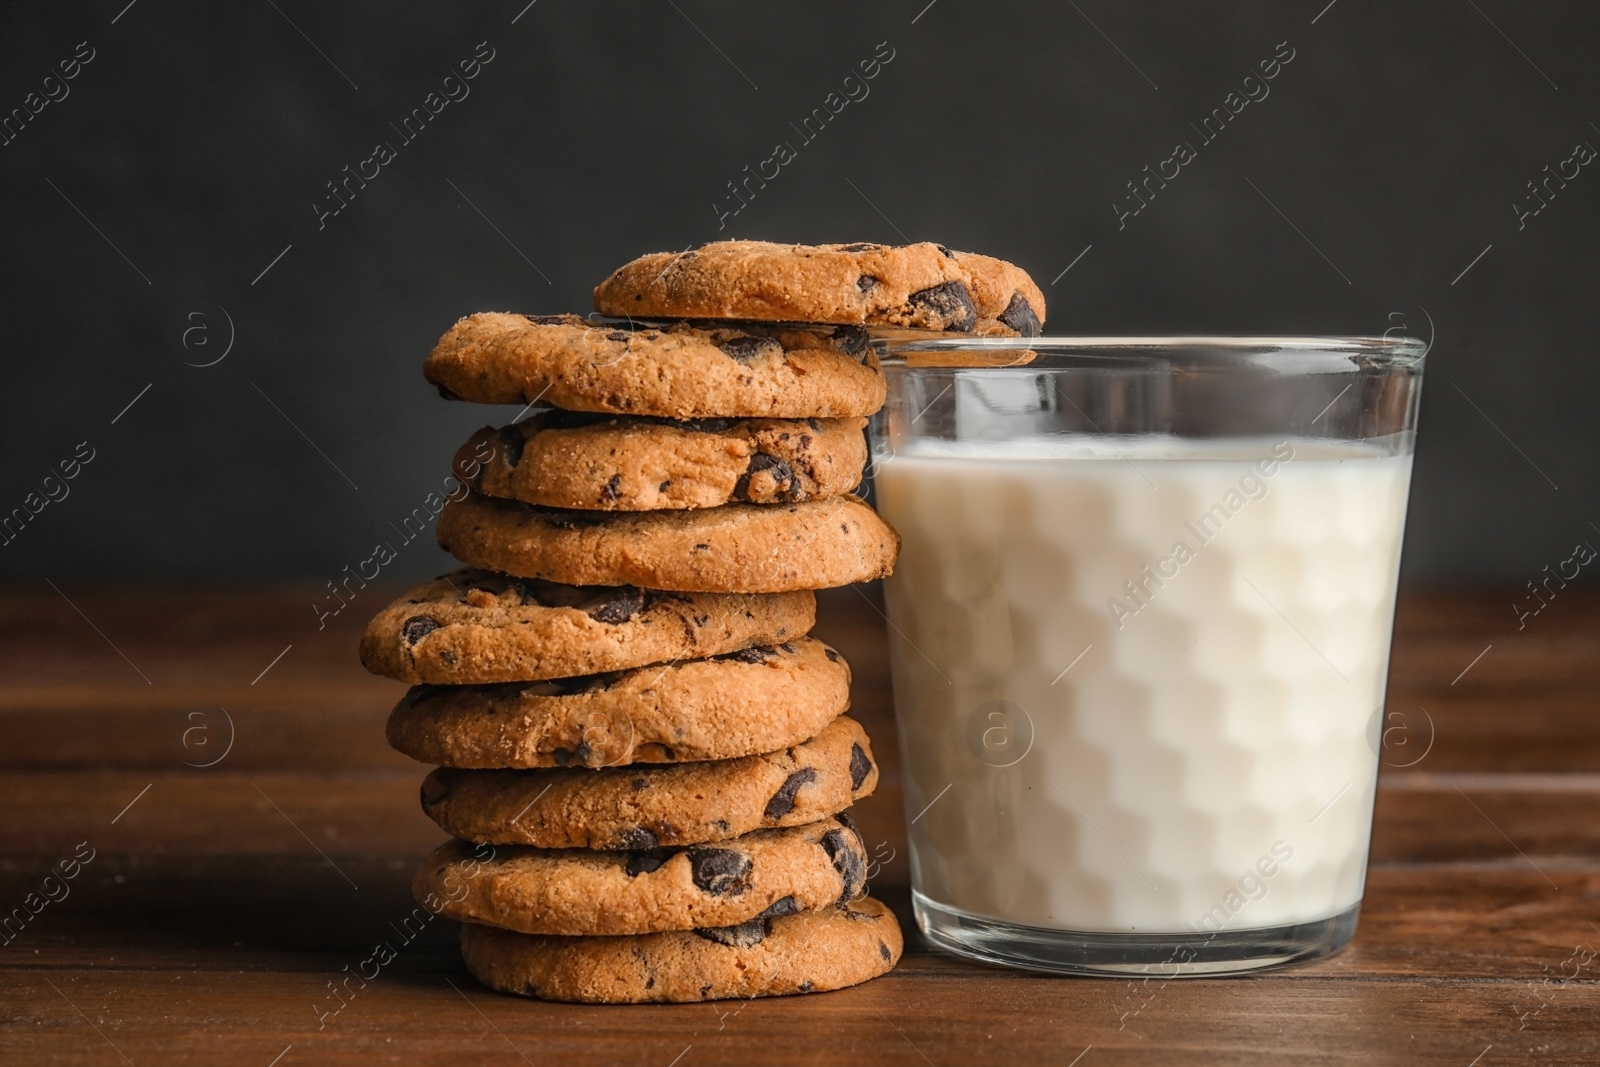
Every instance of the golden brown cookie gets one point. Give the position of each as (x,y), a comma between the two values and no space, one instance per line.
(566,459)
(763,874)
(736,704)
(646,807)
(811,952)
(674,370)
(924,286)
(736,548)
(474,626)
(998,284)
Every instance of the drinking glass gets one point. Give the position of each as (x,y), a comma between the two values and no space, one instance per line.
(1139,637)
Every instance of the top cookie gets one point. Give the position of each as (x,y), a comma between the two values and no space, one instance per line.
(677,370)
(924,286)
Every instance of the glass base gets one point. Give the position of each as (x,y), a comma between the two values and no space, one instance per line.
(1172,955)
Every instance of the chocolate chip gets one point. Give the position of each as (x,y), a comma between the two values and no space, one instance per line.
(662,488)
(860,766)
(648,860)
(779,908)
(865,282)
(511,443)
(782,475)
(1019,315)
(763,461)
(448,656)
(753,654)
(417,627)
(745,349)
(947,253)
(627,603)
(787,647)
(742,936)
(639,783)
(816,424)
(720,872)
(701,620)
(610,490)
(705,989)
(860,246)
(547,320)
(950,303)
(637,837)
(852,341)
(782,802)
(842,848)
(805,987)
(618,335)
(833,657)
(565,757)
(883,950)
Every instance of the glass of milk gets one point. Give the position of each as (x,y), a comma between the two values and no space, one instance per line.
(1139,636)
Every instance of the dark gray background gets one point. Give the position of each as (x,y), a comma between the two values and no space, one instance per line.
(201,134)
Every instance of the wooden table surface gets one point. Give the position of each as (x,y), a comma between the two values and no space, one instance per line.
(220,902)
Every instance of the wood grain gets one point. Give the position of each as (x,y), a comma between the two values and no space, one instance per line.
(222,903)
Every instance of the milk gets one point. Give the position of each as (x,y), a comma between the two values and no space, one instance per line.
(1139,681)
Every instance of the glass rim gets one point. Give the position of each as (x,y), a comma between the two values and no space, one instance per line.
(1398,350)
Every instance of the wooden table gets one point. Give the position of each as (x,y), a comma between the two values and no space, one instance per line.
(221,901)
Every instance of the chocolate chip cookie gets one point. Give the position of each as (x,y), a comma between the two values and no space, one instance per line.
(566,459)
(646,807)
(763,874)
(474,626)
(743,548)
(924,286)
(810,952)
(723,707)
(674,370)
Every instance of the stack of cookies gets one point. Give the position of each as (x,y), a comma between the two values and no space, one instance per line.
(643,758)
